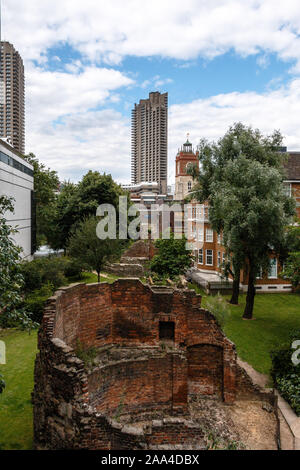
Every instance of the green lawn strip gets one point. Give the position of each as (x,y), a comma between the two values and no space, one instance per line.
(91,278)
(276,315)
(16,429)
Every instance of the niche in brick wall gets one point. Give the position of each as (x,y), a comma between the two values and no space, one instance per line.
(167,331)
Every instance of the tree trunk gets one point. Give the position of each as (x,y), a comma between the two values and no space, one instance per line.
(248,312)
(235,289)
(99,278)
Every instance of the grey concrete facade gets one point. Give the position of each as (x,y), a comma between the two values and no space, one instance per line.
(12,96)
(150,140)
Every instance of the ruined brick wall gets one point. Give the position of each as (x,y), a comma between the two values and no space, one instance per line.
(136,375)
(137,386)
(141,249)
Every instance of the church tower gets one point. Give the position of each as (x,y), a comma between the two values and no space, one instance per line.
(186,158)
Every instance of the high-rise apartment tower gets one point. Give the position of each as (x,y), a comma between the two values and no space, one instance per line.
(150,141)
(12,96)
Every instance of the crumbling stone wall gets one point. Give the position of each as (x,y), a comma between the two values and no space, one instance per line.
(136,375)
(140,249)
(134,260)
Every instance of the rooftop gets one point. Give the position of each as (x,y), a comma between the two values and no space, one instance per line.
(293,166)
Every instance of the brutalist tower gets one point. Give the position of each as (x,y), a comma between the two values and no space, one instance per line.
(12,96)
(150,141)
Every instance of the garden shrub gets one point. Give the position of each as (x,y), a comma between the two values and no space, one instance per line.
(289,387)
(73,269)
(38,272)
(286,374)
(35,301)
(87,355)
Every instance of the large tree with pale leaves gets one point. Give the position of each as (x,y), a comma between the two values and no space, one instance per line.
(241,177)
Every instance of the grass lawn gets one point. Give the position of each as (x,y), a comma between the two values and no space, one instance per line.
(15,402)
(91,278)
(276,315)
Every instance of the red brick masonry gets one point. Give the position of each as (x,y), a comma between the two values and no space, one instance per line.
(138,375)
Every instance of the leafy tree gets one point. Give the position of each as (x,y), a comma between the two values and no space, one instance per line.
(254,209)
(291,270)
(11,279)
(172,258)
(85,246)
(77,202)
(64,216)
(46,183)
(239,141)
(291,254)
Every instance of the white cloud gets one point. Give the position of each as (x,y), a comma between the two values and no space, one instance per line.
(94,140)
(100,140)
(104,32)
(63,129)
(211,117)
(162,81)
(108,31)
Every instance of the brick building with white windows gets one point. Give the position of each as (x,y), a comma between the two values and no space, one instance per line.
(207,245)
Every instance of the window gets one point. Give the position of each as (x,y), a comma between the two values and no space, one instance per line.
(260,273)
(189,186)
(288,189)
(273,269)
(220,239)
(200,259)
(209,235)
(201,235)
(224,258)
(209,257)
(219,259)
(167,330)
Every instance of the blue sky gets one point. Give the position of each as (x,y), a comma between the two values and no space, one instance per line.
(87,63)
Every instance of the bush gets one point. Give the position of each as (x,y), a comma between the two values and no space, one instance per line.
(289,387)
(35,301)
(285,374)
(172,259)
(87,355)
(282,364)
(38,272)
(218,306)
(32,274)
(74,268)
(2,384)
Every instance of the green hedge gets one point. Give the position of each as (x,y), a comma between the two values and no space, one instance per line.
(35,302)
(43,277)
(286,374)
(54,270)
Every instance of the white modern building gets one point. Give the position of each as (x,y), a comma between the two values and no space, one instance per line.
(16,180)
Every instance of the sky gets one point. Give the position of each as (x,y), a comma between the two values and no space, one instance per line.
(88,62)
